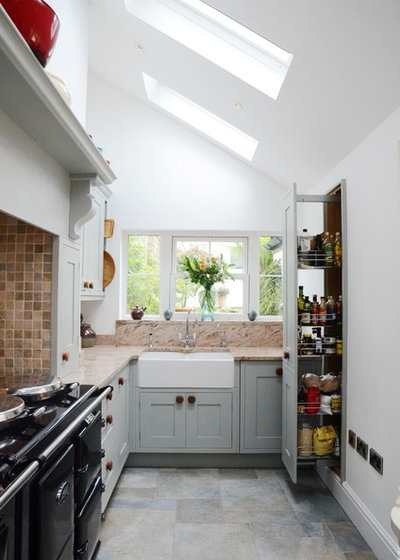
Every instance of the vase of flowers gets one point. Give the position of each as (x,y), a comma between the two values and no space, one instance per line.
(206,271)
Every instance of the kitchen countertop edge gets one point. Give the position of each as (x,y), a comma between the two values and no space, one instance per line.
(101,363)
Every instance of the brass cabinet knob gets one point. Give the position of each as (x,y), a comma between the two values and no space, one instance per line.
(279,371)
(191,399)
(91,285)
(286,355)
(109,465)
(86,284)
(179,399)
(110,396)
(109,419)
(121,381)
(65,356)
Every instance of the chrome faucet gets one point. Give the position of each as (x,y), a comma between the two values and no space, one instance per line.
(187,340)
(222,335)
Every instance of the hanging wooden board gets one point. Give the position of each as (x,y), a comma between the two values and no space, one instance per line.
(108,269)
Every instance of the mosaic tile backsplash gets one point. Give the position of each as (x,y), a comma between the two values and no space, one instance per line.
(26,254)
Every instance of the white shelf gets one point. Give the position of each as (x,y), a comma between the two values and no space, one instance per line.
(29,98)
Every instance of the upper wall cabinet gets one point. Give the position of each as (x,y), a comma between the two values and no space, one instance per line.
(93,249)
(29,98)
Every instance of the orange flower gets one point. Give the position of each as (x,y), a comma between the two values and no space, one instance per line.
(202,266)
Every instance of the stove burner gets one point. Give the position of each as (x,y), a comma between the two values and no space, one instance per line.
(10,407)
(40,392)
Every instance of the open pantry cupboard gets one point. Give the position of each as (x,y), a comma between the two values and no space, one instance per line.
(315,342)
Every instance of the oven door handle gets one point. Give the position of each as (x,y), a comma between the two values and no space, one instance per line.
(48,452)
(25,476)
(28,473)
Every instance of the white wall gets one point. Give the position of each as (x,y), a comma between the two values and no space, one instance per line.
(169,178)
(373,219)
(69,60)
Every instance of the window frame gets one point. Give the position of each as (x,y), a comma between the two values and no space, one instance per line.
(251,278)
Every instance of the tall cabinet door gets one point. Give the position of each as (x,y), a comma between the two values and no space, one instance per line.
(289,381)
(66,303)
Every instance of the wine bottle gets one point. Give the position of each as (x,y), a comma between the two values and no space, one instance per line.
(300,303)
(306,313)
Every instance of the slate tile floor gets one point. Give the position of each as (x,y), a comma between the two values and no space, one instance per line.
(226,514)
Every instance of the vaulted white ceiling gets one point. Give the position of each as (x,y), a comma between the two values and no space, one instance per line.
(344,79)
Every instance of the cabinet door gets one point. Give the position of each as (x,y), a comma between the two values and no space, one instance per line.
(93,251)
(261,407)
(162,420)
(209,420)
(289,421)
(289,381)
(290,279)
(66,307)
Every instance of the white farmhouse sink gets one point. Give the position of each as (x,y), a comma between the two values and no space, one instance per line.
(179,369)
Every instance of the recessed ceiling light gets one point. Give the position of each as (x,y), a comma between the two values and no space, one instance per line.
(219,39)
(140,47)
(237,105)
(199,118)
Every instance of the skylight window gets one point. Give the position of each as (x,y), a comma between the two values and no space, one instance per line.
(200,119)
(219,39)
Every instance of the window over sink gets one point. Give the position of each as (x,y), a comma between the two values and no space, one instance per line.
(153,277)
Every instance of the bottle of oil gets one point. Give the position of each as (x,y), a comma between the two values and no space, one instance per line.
(300,304)
(337,250)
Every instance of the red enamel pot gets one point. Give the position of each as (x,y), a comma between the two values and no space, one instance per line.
(37,23)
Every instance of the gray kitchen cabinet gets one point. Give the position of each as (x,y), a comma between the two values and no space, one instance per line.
(93,248)
(116,413)
(261,407)
(65,317)
(186,421)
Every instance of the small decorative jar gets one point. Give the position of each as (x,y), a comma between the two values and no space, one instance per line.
(168,314)
(88,336)
(137,313)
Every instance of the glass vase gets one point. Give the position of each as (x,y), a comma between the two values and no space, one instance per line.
(207,304)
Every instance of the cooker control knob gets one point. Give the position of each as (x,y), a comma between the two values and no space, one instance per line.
(109,465)
(63,492)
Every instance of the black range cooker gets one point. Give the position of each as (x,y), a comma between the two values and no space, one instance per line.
(50,472)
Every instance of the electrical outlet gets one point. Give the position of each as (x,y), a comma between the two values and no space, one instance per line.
(352,439)
(362,448)
(376,461)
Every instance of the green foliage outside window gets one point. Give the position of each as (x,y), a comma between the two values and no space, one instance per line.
(270,296)
(144,273)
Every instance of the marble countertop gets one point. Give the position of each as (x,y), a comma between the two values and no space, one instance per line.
(98,365)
